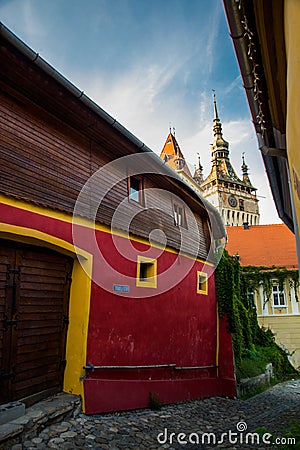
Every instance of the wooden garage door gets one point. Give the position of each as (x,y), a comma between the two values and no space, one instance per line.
(34,297)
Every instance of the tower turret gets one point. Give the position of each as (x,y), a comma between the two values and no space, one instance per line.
(198,174)
(173,156)
(246,178)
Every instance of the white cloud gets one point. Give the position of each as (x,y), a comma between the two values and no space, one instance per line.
(23,16)
(211,43)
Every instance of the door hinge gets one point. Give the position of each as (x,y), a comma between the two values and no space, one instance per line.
(68,278)
(11,271)
(10,322)
(7,376)
(65,321)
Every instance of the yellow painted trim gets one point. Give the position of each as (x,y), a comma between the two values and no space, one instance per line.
(204,282)
(79,311)
(84,222)
(292,47)
(151,281)
(79,305)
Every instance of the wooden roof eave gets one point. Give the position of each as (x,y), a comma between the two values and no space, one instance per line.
(266,101)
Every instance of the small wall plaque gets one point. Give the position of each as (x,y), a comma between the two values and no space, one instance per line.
(121,288)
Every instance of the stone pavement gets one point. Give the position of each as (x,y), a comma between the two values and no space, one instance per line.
(201,421)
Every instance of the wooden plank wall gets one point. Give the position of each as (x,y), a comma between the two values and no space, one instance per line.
(47,162)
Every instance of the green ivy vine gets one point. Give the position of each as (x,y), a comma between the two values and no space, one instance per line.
(241,317)
(233,284)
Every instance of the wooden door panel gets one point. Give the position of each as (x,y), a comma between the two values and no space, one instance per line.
(42,307)
(38,297)
(7,262)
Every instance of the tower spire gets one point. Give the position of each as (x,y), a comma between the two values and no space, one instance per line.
(217,126)
(219,146)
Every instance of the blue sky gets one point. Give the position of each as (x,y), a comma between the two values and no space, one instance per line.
(150,64)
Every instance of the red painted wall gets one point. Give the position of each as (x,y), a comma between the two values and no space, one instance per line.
(152,330)
(175,326)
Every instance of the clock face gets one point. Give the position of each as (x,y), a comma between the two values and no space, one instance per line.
(232,201)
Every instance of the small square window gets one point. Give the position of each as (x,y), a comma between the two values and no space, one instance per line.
(202,283)
(135,189)
(179,215)
(146,275)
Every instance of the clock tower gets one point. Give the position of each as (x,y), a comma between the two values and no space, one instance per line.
(235,198)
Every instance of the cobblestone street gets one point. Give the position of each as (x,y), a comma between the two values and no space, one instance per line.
(201,421)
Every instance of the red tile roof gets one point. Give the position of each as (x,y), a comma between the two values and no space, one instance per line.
(263,245)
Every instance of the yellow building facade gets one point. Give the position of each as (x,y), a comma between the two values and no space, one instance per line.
(281,314)
(267,254)
(292,46)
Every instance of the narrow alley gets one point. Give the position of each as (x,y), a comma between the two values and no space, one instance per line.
(201,424)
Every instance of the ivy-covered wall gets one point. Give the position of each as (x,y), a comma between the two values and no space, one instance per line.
(232,285)
(255,277)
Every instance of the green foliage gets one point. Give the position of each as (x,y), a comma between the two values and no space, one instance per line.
(278,357)
(253,363)
(293,431)
(254,347)
(230,304)
(290,437)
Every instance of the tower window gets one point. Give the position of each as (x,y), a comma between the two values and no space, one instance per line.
(241,202)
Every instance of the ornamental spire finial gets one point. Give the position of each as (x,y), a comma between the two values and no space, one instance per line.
(216,117)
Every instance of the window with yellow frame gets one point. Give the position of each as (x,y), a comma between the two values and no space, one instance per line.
(202,283)
(146,272)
